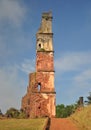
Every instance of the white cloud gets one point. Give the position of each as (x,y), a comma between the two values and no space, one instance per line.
(27,66)
(11,87)
(83,79)
(81,84)
(73,61)
(13,84)
(2,47)
(12,11)
(13,39)
(85,75)
(74,70)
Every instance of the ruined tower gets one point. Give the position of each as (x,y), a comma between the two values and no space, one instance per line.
(39,100)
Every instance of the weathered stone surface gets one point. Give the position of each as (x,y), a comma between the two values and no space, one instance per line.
(40,98)
(46,23)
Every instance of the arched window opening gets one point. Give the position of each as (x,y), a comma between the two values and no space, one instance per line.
(39,107)
(39,86)
(39,45)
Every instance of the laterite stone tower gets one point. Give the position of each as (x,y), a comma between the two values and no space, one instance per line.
(40,98)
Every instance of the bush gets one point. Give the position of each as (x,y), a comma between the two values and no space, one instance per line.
(63,111)
(22,114)
(1,113)
(14,113)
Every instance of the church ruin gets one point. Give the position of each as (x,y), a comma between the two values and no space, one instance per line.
(39,100)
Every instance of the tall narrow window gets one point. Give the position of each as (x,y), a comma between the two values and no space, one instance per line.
(39,86)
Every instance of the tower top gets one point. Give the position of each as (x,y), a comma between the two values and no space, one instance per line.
(46,23)
(47,15)
(44,34)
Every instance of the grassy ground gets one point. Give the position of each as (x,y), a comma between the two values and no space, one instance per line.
(83,118)
(22,124)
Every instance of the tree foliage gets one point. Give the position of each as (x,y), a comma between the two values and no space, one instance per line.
(22,114)
(1,113)
(89,98)
(63,111)
(14,113)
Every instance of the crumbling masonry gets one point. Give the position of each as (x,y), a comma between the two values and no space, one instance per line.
(39,100)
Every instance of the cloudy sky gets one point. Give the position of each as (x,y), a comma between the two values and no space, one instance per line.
(19,22)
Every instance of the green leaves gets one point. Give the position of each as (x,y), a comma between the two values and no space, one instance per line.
(63,111)
(14,113)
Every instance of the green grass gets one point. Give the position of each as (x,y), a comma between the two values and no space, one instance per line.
(22,124)
(83,118)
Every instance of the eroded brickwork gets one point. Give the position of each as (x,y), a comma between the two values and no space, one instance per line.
(45,61)
(39,100)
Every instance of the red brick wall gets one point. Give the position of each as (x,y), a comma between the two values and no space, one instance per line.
(44,61)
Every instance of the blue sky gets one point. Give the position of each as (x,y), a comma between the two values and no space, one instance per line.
(19,22)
